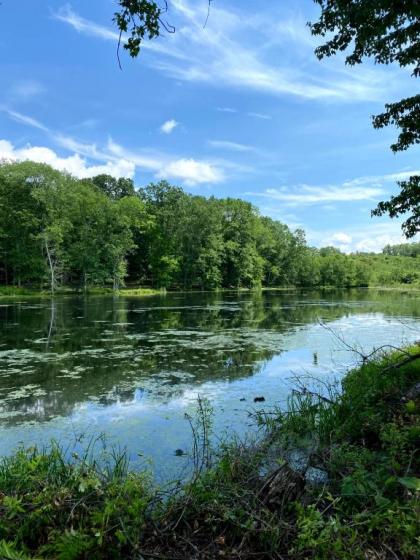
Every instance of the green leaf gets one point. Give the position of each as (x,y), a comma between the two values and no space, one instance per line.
(410,482)
(410,407)
(9,552)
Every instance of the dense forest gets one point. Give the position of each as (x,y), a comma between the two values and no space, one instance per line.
(57,230)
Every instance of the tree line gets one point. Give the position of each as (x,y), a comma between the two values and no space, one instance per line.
(58,230)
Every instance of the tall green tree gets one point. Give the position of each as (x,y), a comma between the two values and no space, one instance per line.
(112,187)
(124,218)
(202,244)
(276,245)
(242,265)
(166,204)
(55,193)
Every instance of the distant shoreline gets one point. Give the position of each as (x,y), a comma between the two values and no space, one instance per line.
(13,292)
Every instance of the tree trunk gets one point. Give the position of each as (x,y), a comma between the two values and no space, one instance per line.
(51,266)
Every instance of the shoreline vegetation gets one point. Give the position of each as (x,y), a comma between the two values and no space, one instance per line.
(58,232)
(12,292)
(16,291)
(335,475)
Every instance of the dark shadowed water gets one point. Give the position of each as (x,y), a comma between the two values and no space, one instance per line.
(132,367)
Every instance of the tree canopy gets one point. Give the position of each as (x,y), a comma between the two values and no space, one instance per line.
(58,230)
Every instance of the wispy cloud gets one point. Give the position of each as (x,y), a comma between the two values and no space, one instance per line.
(226,110)
(169,126)
(262,116)
(92,29)
(24,119)
(379,180)
(26,89)
(252,114)
(306,194)
(234,146)
(85,124)
(222,55)
(82,25)
(361,188)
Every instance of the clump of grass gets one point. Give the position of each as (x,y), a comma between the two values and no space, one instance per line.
(142,291)
(14,291)
(368,439)
(55,508)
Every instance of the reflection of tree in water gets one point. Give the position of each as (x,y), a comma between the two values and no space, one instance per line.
(106,349)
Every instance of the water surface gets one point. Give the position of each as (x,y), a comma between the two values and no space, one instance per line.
(132,367)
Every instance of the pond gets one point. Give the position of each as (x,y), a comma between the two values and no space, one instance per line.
(131,367)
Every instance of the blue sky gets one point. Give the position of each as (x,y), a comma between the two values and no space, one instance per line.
(239,108)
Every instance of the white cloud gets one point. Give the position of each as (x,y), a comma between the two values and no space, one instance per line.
(188,170)
(381,179)
(259,116)
(361,188)
(362,238)
(375,244)
(86,124)
(116,162)
(340,240)
(222,54)
(262,116)
(115,159)
(82,25)
(169,126)
(27,89)
(341,237)
(74,164)
(234,146)
(226,110)
(305,194)
(93,29)
(191,172)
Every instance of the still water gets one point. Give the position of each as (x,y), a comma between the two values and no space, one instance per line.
(131,368)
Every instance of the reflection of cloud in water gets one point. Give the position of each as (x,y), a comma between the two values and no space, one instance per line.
(135,374)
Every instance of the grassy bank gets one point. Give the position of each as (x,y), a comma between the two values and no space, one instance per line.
(141,292)
(244,500)
(16,292)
